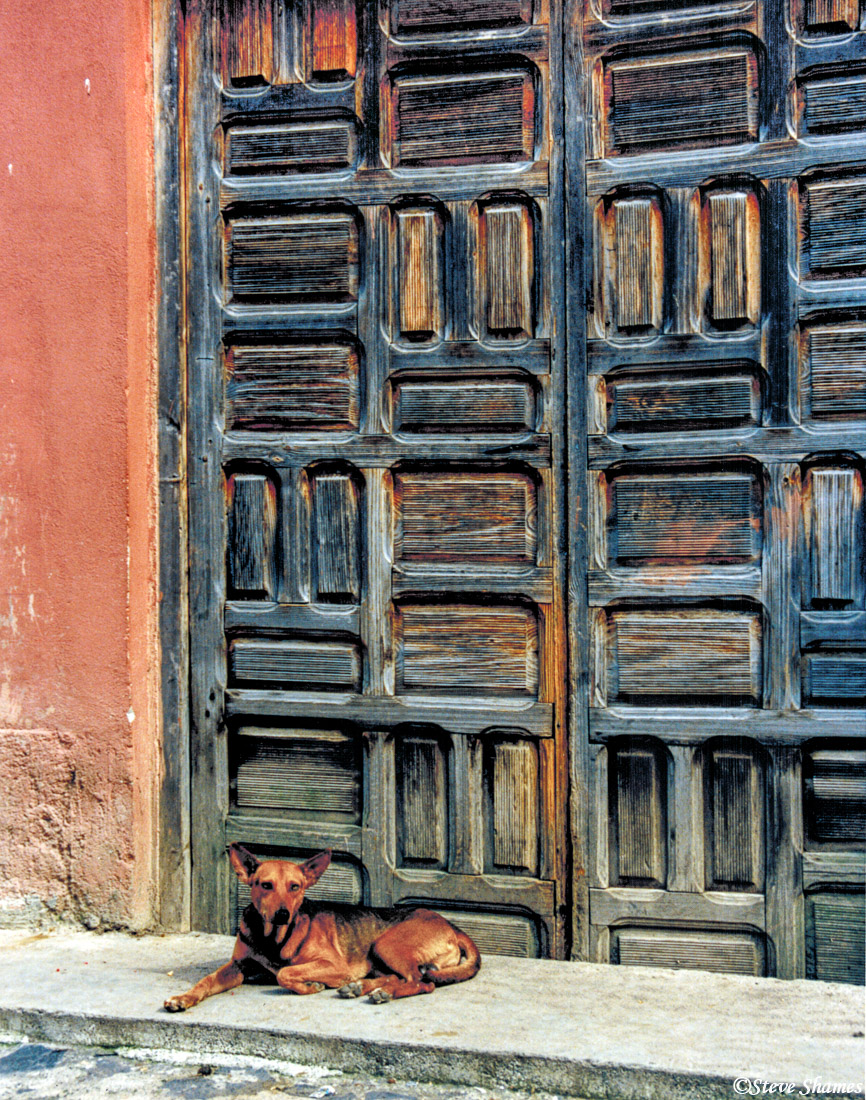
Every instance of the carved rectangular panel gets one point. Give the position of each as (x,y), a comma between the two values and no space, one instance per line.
(497,933)
(723,952)
(735,257)
(836,364)
(697,99)
(488,516)
(303,256)
(252,536)
(704,656)
(835,546)
(640,842)
(464,649)
(333,39)
(463,119)
(514,806)
(420,281)
(335,504)
(506,231)
(835,795)
(835,679)
(835,228)
(423,801)
(735,820)
(418,16)
(464,406)
(832,15)
(715,518)
(295,664)
(687,404)
(289,148)
(272,386)
(302,771)
(834,106)
(638,283)
(835,937)
(247,40)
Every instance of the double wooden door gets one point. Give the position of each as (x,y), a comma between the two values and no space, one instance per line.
(526,399)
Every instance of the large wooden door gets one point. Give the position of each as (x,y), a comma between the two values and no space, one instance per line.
(725,230)
(526,399)
(377,455)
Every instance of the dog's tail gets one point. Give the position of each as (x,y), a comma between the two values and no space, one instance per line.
(468,967)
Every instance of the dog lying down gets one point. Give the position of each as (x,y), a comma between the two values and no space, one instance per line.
(308,947)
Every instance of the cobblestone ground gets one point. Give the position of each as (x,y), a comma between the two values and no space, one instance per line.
(38,1071)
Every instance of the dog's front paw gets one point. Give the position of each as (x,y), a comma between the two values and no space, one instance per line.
(350,989)
(380,997)
(180,1003)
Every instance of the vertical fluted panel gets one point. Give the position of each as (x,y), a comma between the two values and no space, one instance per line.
(735,258)
(833,533)
(420,276)
(509,270)
(424,816)
(640,816)
(336,512)
(515,806)
(638,291)
(252,534)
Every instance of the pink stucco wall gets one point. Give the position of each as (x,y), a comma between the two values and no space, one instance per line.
(78,698)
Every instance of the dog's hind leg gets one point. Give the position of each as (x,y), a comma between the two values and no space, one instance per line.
(312,977)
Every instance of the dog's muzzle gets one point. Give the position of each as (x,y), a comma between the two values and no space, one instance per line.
(282,916)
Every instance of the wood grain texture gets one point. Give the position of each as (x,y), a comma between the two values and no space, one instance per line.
(835,227)
(483,517)
(682,100)
(834,524)
(711,655)
(464,119)
(710,518)
(735,257)
(295,664)
(337,538)
(836,365)
(684,404)
(832,15)
(289,148)
(506,232)
(423,802)
(420,16)
(835,935)
(497,933)
(333,39)
(273,386)
(835,784)
(514,798)
(300,257)
(252,535)
(468,649)
(638,275)
(834,106)
(640,847)
(304,772)
(464,406)
(835,679)
(419,234)
(735,820)
(722,952)
(247,39)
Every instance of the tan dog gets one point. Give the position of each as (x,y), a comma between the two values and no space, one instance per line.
(308,947)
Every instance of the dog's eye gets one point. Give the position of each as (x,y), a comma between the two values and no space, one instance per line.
(295,886)
(266,885)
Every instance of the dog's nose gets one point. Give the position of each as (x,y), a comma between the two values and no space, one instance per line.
(281,916)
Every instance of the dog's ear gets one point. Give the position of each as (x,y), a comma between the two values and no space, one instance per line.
(315,867)
(243,862)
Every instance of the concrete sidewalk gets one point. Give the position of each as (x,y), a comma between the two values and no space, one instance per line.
(574,1028)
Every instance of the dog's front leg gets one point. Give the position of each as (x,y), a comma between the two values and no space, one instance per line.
(313,977)
(227,977)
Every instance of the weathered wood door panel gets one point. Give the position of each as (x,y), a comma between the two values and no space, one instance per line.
(484,298)
(377,493)
(725,224)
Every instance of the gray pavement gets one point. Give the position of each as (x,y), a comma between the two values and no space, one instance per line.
(41,1071)
(575,1029)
